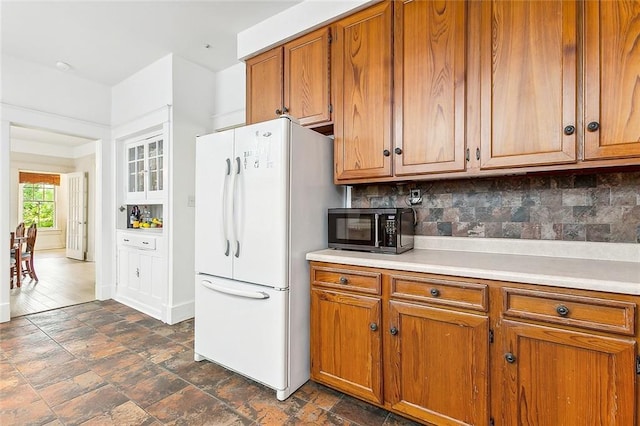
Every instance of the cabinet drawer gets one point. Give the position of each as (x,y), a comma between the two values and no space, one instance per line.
(585,312)
(347,279)
(137,241)
(440,292)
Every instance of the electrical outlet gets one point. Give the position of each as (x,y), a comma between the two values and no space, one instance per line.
(415,197)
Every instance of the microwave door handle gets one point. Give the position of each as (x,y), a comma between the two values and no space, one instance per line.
(377,226)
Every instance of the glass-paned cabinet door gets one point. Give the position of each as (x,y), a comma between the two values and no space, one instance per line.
(145,168)
(156,158)
(136,169)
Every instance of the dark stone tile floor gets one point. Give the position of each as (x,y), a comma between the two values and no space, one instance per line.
(103,363)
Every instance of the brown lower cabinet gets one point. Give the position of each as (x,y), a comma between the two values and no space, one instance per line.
(446,350)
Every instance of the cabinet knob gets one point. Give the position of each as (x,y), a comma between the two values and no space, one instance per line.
(398,151)
(285,110)
(278,111)
(593,126)
(569,130)
(562,310)
(373,326)
(344,280)
(434,292)
(393,331)
(386,153)
(511,358)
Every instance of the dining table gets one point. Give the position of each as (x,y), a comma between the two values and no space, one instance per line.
(18,242)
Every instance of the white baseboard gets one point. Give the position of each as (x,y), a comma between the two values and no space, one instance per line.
(145,309)
(181,312)
(5,312)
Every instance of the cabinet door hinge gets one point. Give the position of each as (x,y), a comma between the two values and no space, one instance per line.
(490,336)
(491,422)
(467,155)
(330,108)
(330,38)
(637,364)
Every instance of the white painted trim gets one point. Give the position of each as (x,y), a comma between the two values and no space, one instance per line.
(143,123)
(105,194)
(135,304)
(293,22)
(619,252)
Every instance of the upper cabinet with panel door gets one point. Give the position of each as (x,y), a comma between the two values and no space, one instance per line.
(145,165)
(292,79)
(612,79)
(528,71)
(362,81)
(430,46)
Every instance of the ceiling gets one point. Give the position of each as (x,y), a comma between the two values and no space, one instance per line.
(107,41)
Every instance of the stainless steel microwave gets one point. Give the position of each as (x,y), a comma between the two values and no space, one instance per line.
(382,230)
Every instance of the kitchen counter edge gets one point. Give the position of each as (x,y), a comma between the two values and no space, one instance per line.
(598,275)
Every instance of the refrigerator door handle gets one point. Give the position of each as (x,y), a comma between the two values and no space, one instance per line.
(224,208)
(233,208)
(247,294)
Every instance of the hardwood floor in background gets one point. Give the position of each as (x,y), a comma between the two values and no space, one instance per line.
(63,282)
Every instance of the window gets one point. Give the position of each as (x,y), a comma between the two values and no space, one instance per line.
(39,204)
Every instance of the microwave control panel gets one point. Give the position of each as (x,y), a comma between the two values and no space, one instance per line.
(390,231)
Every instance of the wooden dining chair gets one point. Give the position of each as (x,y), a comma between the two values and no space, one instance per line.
(20,230)
(27,256)
(13,270)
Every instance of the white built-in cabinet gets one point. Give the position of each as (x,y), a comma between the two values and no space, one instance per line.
(141,272)
(145,164)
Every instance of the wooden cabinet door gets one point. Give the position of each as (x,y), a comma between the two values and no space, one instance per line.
(346,347)
(528,83)
(264,86)
(429,93)
(307,79)
(612,79)
(559,377)
(362,85)
(437,364)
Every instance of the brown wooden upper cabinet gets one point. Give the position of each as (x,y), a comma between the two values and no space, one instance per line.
(264,85)
(528,83)
(612,79)
(362,75)
(429,86)
(292,79)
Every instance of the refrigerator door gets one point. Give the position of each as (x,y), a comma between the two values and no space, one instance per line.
(260,203)
(214,175)
(242,327)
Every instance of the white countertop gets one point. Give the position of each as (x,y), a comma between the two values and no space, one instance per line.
(572,271)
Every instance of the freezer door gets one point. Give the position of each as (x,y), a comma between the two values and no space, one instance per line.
(214,169)
(242,327)
(260,206)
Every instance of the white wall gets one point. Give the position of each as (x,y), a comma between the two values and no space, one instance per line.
(44,97)
(29,85)
(230,97)
(143,92)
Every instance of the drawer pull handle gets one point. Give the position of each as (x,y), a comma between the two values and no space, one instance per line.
(343,280)
(434,292)
(393,331)
(562,310)
(126,240)
(511,358)
(145,242)
(373,326)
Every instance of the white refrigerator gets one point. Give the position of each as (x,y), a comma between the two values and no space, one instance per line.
(262,194)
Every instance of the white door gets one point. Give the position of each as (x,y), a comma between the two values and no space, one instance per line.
(77,215)
(260,207)
(214,164)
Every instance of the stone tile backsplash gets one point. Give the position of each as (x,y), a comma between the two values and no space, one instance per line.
(577,207)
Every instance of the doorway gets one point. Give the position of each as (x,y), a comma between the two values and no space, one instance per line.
(63,281)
